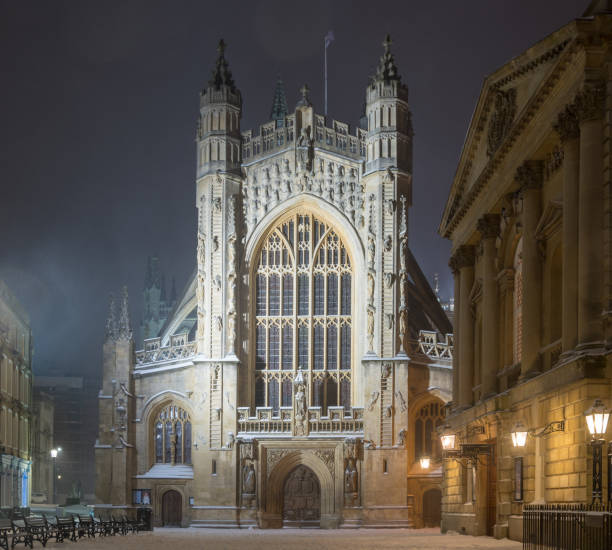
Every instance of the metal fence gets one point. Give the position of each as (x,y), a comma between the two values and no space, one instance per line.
(567,527)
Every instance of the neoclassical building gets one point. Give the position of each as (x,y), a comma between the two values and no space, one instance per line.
(529,215)
(302,374)
(15,402)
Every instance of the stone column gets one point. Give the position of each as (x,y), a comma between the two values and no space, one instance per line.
(456,340)
(505,280)
(530,177)
(465,262)
(590,104)
(569,131)
(488,226)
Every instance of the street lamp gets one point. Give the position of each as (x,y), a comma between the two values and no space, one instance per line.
(597,417)
(54,453)
(519,434)
(447,439)
(424,461)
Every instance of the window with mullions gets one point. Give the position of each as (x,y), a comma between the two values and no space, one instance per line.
(302,307)
(172,433)
(426,440)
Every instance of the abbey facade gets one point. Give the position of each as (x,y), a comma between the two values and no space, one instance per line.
(302,374)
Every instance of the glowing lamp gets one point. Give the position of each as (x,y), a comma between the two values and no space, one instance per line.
(597,419)
(519,435)
(425,460)
(53,453)
(448,441)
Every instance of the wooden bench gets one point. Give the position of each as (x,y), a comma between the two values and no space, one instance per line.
(6,529)
(85,526)
(36,528)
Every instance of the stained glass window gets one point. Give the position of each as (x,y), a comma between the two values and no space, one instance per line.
(303,292)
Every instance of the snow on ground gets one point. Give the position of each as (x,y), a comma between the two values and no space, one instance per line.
(289,539)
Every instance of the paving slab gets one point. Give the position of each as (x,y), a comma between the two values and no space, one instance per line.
(291,539)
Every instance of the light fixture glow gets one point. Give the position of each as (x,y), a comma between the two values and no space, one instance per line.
(448,441)
(597,417)
(519,435)
(53,453)
(425,460)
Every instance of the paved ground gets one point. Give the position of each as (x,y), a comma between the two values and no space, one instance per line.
(291,539)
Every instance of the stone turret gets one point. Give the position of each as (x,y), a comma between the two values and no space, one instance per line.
(219,123)
(279,104)
(115,443)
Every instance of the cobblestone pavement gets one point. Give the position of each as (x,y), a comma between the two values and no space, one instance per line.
(291,539)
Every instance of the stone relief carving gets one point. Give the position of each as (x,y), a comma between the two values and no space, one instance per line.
(300,419)
(389,279)
(273,457)
(402,401)
(389,317)
(388,243)
(501,119)
(403,274)
(328,457)
(373,398)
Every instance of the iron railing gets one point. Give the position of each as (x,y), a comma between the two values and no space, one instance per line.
(567,527)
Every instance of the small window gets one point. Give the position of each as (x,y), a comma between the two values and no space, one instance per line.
(213,469)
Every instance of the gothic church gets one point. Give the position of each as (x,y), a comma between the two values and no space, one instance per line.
(302,374)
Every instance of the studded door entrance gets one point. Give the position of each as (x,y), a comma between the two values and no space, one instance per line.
(301,499)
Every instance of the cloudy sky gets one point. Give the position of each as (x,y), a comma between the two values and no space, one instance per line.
(99,102)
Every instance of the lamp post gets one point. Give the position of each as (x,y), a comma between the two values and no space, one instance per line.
(54,453)
(597,422)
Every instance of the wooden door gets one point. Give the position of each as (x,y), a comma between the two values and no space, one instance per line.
(491,490)
(172,508)
(301,499)
(432,506)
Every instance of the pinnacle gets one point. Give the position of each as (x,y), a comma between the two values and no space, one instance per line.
(279,104)
(387,70)
(221,75)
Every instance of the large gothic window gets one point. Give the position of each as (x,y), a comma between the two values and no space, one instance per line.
(172,436)
(303,292)
(426,440)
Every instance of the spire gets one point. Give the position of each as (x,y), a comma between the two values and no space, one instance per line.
(221,75)
(111,321)
(279,105)
(152,276)
(386,71)
(162,294)
(124,331)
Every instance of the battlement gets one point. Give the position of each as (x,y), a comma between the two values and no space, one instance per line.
(278,135)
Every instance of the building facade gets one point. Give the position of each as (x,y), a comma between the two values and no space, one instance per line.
(15,401)
(529,216)
(319,364)
(74,432)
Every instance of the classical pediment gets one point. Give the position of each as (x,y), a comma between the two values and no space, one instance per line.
(505,106)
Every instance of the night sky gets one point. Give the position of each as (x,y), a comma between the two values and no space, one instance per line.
(99,103)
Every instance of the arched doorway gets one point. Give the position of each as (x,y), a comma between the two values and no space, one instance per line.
(172,509)
(432,504)
(301,499)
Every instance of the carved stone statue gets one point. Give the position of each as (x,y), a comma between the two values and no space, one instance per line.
(305,153)
(248,479)
(350,477)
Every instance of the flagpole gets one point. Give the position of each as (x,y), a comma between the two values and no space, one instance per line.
(325,42)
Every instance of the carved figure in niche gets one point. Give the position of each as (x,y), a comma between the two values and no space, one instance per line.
(401,436)
(350,477)
(389,279)
(288,187)
(217,283)
(388,411)
(286,169)
(389,318)
(371,250)
(388,243)
(248,479)
(386,370)
(215,243)
(370,288)
(390,207)
(305,152)
(218,323)
(402,401)
(201,249)
(300,401)
(231,438)
(373,399)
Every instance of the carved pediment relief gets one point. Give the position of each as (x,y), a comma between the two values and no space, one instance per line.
(502,117)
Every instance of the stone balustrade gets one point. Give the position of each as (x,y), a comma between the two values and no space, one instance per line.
(154,353)
(428,344)
(268,421)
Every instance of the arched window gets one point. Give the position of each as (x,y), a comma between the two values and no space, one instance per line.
(302,307)
(518,302)
(172,436)
(426,440)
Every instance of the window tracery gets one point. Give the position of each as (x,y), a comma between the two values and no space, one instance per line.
(426,441)
(303,314)
(172,436)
